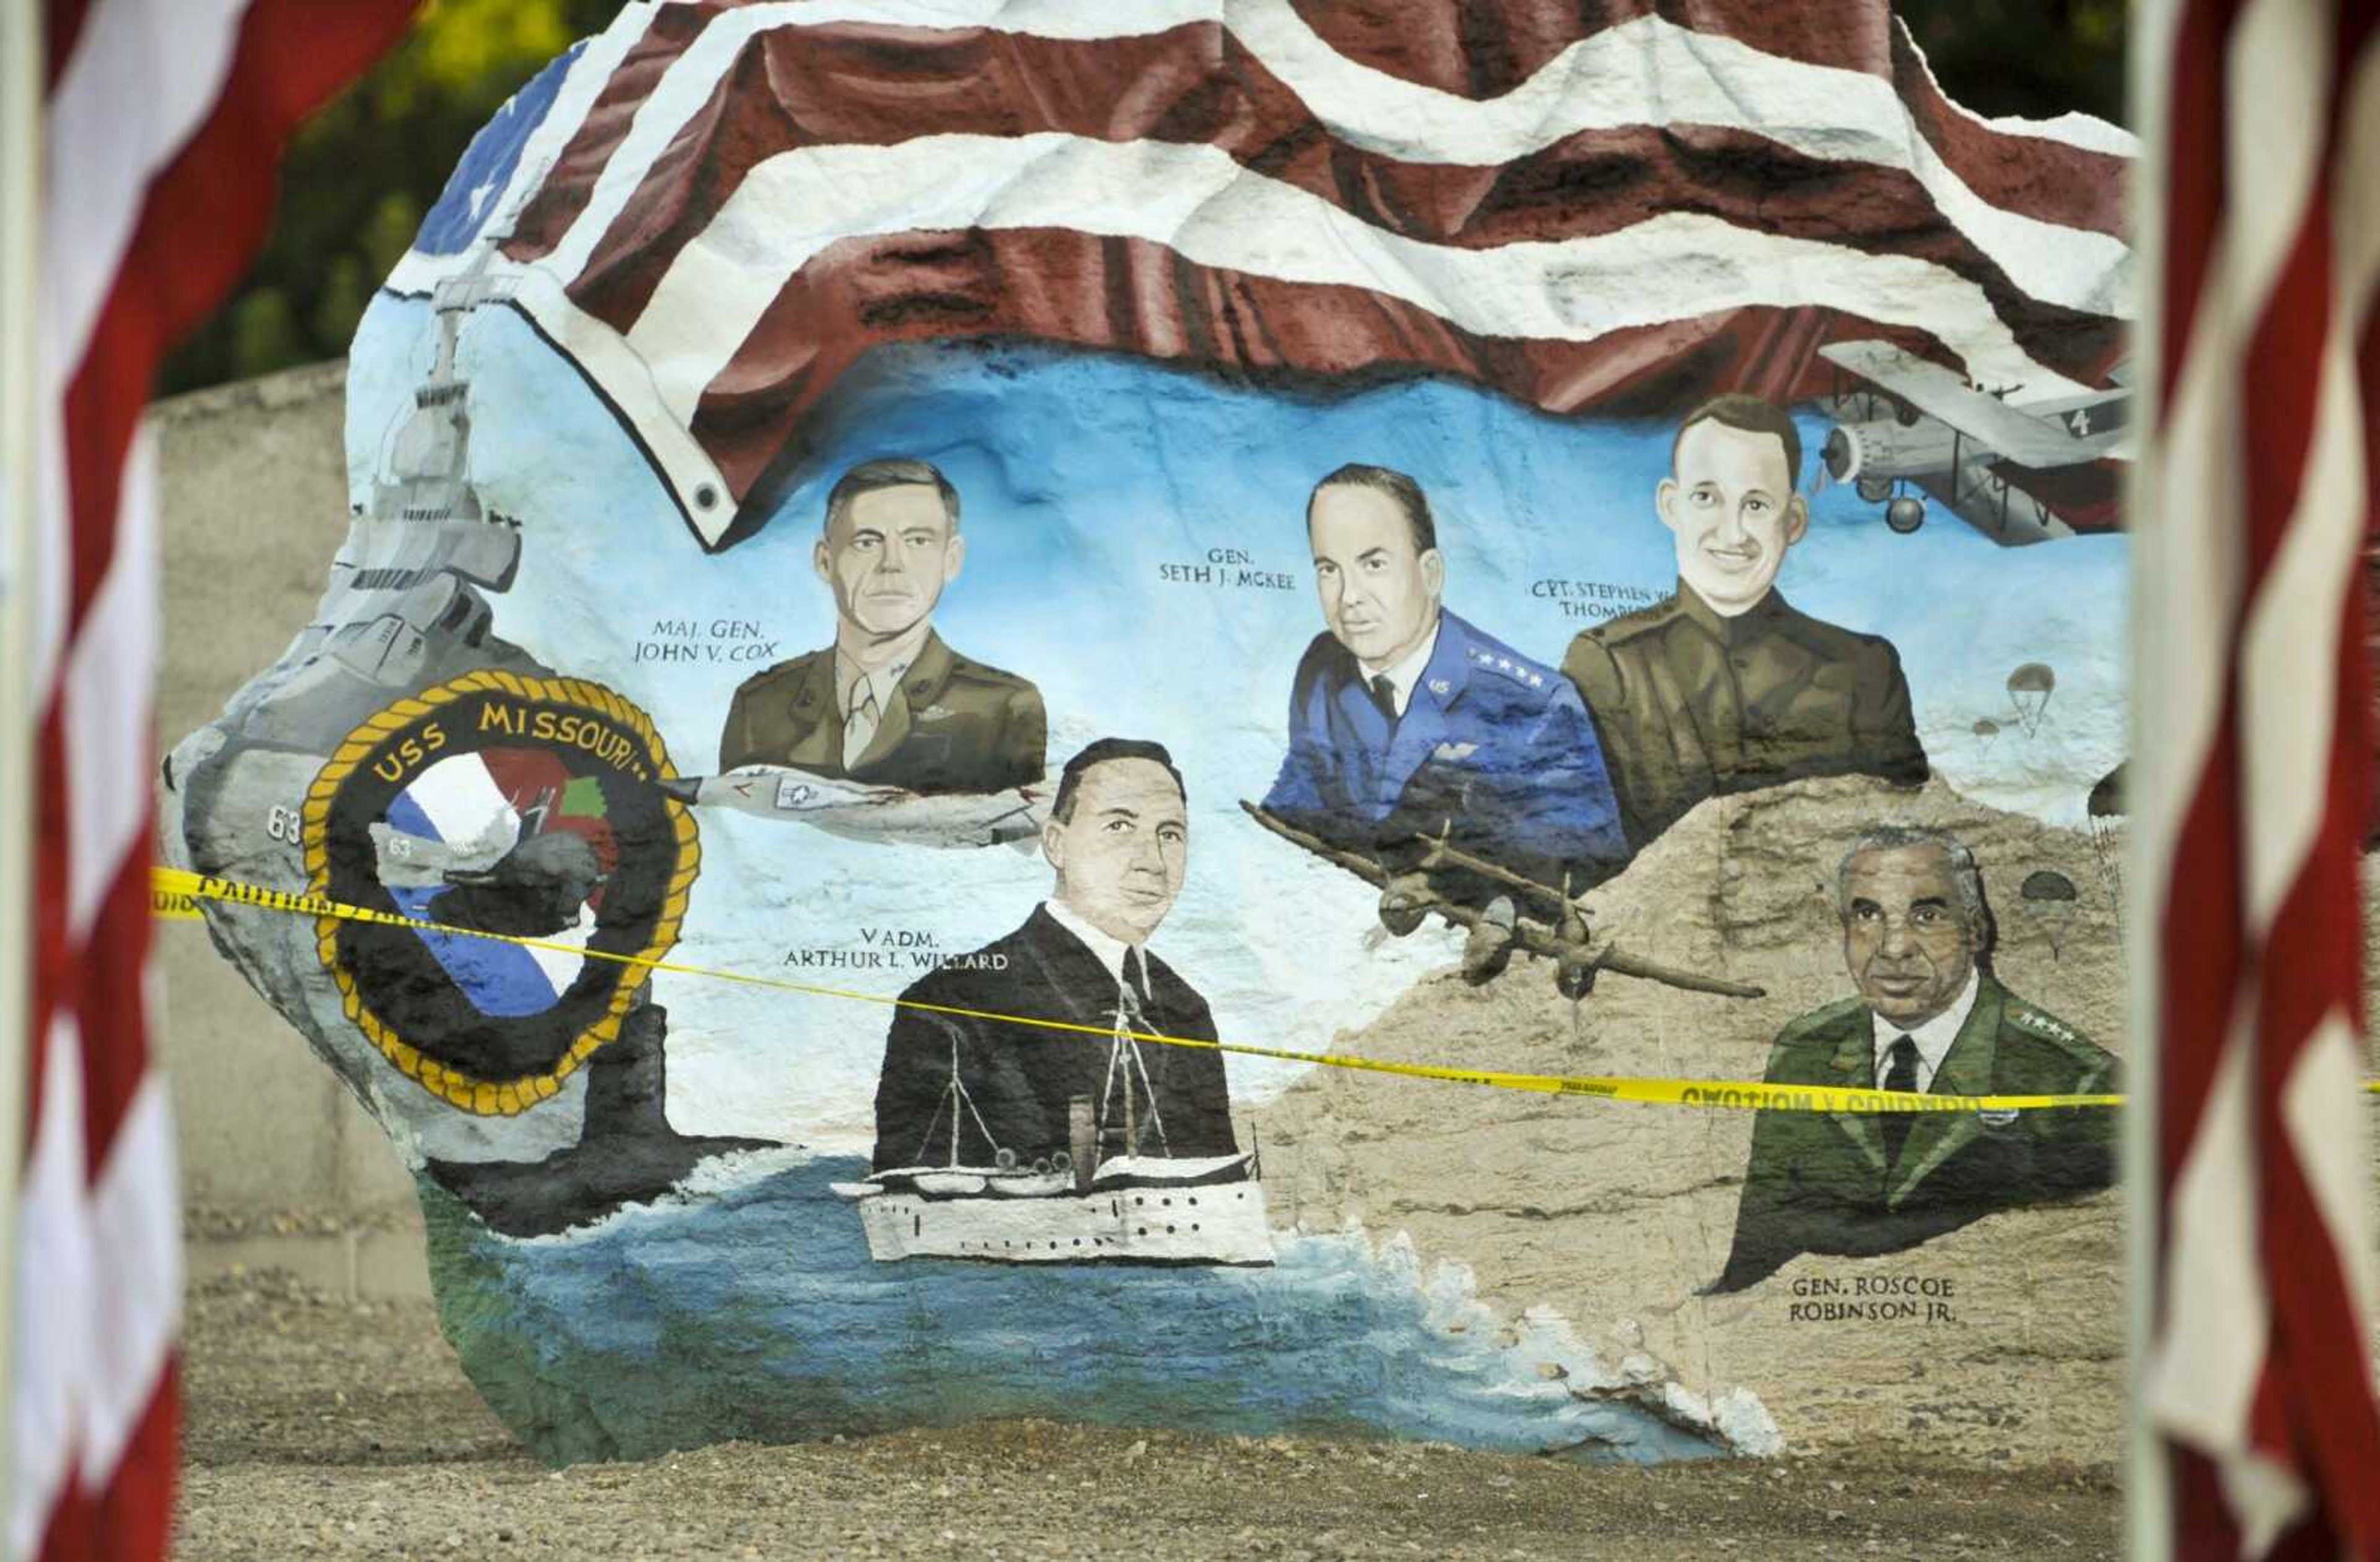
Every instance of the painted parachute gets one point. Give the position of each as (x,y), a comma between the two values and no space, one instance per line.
(2049,895)
(2105,812)
(2029,690)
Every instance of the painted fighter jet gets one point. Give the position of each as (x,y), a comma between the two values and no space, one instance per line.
(2018,472)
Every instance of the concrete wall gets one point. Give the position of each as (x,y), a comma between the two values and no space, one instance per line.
(279,1164)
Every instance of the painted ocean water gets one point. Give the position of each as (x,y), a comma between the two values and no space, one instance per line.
(751,1308)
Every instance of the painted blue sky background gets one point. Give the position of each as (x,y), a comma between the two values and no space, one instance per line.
(1082,476)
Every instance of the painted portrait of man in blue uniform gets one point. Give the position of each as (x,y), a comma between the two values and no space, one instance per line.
(1408,724)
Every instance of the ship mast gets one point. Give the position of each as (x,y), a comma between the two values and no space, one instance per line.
(1125,1058)
(955,1096)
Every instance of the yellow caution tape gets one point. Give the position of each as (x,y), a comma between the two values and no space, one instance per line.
(181,886)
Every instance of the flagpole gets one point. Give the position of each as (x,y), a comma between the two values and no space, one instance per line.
(20,211)
(2148,1495)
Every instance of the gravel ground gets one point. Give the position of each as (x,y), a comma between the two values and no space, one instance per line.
(321,1428)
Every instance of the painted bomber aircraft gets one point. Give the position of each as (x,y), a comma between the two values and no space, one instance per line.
(2016,472)
(1530,918)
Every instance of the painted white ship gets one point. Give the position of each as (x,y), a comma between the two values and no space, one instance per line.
(1071,1208)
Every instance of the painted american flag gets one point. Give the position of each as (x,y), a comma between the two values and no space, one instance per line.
(714,211)
(161,121)
(2254,489)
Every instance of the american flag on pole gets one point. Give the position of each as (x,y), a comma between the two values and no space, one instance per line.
(714,211)
(161,125)
(2255,494)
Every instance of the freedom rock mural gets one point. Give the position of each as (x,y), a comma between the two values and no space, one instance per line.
(1238,713)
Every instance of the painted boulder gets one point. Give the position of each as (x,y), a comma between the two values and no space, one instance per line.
(1235,716)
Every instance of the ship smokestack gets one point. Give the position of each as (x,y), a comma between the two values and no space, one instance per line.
(1083,1132)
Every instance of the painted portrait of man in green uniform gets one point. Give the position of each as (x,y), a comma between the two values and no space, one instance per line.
(889,703)
(1929,1016)
(1726,687)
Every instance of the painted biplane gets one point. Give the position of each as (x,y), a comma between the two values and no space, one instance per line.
(1907,430)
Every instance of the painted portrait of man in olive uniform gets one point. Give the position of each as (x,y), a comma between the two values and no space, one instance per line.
(1928,1017)
(889,703)
(1726,687)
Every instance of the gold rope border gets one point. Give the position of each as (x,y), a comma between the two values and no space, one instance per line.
(491,1098)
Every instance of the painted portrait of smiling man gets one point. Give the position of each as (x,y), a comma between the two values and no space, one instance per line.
(1726,687)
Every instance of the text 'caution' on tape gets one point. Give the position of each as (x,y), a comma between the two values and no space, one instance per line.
(178,893)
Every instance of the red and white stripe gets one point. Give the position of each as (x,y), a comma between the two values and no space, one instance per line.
(1581,206)
(162,123)
(2256,488)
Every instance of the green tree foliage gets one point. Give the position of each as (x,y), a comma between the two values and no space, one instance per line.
(2038,58)
(358,178)
(346,288)
(264,333)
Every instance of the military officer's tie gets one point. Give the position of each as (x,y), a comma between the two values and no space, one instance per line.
(1384,694)
(1901,1076)
(859,724)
